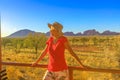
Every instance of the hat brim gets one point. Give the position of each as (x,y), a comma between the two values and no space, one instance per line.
(49,25)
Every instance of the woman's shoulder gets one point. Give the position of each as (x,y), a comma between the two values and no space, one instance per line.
(50,38)
(64,38)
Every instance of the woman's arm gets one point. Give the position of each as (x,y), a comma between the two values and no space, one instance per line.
(43,53)
(68,47)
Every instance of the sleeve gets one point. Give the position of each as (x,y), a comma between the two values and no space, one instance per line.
(48,41)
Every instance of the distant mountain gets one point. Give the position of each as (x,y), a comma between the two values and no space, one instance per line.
(21,33)
(91,32)
(107,32)
(48,34)
(25,32)
(78,34)
(69,34)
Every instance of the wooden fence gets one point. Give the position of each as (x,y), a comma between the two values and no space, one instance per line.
(71,68)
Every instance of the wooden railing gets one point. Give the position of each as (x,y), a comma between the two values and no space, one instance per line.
(71,68)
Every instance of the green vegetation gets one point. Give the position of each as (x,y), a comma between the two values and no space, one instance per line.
(94,51)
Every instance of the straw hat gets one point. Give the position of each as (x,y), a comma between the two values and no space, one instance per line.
(56,26)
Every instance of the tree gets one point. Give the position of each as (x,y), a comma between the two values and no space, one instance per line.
(36,40)
(17,44)
(95,41)
(84,40)
(5,42)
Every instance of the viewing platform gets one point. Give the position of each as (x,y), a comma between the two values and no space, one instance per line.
(71,68)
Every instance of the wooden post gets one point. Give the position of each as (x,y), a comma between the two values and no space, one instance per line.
(0,48)
(70,74)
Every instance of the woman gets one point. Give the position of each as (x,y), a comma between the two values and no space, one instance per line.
(55,47)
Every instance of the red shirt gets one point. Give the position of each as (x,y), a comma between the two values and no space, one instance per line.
(56,54)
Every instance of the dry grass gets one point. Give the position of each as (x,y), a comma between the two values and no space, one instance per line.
(93,56)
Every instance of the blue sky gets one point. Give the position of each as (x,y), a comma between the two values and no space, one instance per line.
(74,15)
